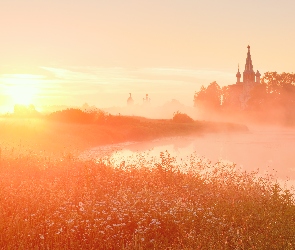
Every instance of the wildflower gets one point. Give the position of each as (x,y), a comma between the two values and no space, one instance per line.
(70,221)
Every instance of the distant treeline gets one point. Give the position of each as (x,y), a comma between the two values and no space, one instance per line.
(73,115)
(273,98)
(90,116)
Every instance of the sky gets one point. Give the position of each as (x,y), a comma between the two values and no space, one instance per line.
(70,52)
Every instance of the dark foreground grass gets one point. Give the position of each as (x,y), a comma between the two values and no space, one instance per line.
(70,204)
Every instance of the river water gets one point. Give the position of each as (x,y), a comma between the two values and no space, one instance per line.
(270,150)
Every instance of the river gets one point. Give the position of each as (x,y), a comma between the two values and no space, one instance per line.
(271,150)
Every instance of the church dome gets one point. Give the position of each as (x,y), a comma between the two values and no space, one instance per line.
(238,75)
(130,100)
(257,74)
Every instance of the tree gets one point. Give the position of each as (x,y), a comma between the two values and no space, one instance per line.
(200,96)
(209,97)
(275,96)
(25,111)
(259,99)
(281,87)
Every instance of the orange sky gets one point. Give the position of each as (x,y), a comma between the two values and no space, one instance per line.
(63,52)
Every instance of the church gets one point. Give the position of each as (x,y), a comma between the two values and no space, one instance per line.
(240,93)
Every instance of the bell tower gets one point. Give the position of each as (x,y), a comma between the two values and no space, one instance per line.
(248,74)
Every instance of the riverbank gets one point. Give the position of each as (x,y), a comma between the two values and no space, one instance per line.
(57,138)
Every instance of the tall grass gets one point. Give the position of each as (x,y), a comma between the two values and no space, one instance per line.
(70,204)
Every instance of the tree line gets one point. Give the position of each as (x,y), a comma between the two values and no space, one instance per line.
(274,96)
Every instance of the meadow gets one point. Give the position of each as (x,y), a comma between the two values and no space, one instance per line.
(69,134)
(51,200)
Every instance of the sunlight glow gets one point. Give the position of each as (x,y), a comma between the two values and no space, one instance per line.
(22,88)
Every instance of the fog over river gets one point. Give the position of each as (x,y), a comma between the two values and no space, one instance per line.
(271,150)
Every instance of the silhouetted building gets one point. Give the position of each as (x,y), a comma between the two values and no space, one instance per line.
(249,76)
(130,100)
(146,100)
(240,93)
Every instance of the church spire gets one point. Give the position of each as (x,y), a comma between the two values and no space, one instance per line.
(249,74)
(249,65)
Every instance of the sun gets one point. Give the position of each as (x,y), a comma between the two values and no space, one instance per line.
(21,88)
(21,94)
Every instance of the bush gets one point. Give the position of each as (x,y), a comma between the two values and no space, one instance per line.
(181,118)
(25,111)
(73,115)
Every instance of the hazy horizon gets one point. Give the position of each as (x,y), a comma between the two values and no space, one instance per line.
(72,52)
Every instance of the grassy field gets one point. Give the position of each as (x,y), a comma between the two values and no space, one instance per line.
(60,202)
(68,204)
(42,136)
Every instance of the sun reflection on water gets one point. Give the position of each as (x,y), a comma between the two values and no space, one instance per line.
(268,152)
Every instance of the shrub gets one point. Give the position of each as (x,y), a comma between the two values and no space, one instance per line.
(73,115)
(181,118)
